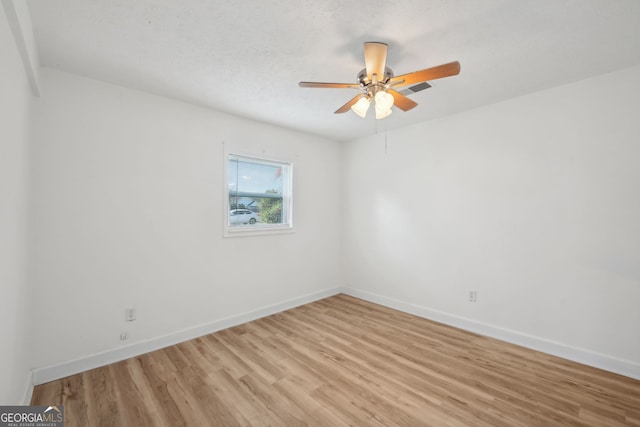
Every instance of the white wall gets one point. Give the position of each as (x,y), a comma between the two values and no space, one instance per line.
(128,193)
(534,203)
(15,103)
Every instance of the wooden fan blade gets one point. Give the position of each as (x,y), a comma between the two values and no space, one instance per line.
(329,85)
(348,105)
(445,70)
(375,59)
(401,101)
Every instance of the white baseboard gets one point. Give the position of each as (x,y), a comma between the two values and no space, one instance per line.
(54,372)
(28,390)
(580,355)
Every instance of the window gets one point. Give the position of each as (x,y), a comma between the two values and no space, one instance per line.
(258,195)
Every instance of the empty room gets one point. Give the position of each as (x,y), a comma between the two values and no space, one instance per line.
(320,213)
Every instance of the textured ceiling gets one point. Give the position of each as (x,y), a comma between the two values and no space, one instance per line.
(246,57)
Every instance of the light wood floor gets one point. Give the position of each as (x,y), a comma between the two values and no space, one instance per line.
(342,361)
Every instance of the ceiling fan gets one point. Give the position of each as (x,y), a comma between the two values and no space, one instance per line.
(378,83)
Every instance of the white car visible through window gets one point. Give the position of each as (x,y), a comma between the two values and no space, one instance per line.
(242,216)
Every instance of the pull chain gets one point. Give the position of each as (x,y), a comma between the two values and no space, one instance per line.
(385,137)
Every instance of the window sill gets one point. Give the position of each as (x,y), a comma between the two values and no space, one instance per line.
(257,231)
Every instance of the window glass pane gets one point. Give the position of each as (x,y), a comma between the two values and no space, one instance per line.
(251,177)
(258,193)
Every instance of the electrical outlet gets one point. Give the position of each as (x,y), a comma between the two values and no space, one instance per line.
(124,335)
(472,296)
(129,314)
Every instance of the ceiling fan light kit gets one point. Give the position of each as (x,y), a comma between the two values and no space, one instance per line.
(377,83)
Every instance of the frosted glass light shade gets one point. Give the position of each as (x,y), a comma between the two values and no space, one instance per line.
(384,100)
(361,107)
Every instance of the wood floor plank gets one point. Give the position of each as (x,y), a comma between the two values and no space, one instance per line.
(168,410)
(101,398)
(245,403)
(50,392)
(343,361)
(73,397)
(133,405)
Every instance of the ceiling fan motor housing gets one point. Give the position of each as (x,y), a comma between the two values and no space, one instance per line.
(369,85)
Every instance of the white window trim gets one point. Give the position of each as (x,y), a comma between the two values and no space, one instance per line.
(261,230)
